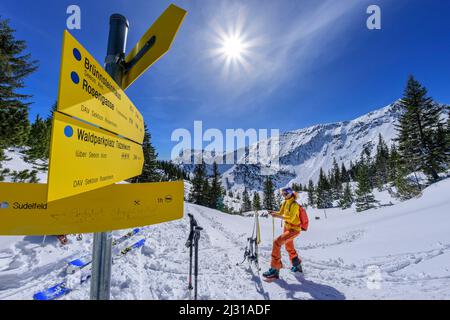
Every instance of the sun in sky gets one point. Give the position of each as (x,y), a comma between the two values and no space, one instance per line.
(232,50)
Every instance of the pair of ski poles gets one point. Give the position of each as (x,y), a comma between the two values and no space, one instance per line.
(194,237)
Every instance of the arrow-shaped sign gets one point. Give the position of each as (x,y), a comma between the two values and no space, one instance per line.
(153,44)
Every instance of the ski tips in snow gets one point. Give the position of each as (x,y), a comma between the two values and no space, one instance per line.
(136,245)
(78,264)
(82,265)
(53,292)
(126,236)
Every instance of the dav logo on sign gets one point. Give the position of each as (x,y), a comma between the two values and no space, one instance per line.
(4,205)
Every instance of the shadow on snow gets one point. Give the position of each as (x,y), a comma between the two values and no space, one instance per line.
(258,284)
(315,290)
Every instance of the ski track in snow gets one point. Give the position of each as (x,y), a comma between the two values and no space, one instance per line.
(151,269)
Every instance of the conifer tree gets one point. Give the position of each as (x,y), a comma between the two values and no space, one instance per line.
(24,176)
(336,181)
(256,201)
(150,170)
(15,66)
(381,163)
(346,200)
(417,128)
(365,200)
(366,162)
(323,192)
(198,183)
(311,193)
(206,193)
(442,145)
(345,177)
(404,187)
(352,171)
(297,187)
(171,171)
(393,163)
(38,140)
(3,172)
(269,202)
(246,202)
(216,188)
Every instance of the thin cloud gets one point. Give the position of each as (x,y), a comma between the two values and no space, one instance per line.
(279,49)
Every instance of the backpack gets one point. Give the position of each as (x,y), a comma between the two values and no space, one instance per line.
(304,221)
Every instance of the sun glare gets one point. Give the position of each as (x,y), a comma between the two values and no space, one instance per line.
(233,47)
(233,52)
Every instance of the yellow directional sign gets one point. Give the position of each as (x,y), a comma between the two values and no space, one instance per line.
(84,158)
(154,43)
(24,210)
(87,92)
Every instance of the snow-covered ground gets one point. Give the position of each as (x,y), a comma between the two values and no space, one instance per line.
(396,252)
(15,162)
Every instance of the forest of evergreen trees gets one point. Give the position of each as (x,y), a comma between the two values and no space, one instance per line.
(421,146)
(15,128)
(207,191)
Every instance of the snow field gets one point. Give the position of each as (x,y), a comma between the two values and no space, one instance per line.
(396,252)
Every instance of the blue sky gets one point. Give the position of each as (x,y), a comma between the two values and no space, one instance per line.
(308,61)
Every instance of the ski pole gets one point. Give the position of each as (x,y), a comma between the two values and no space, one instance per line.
(190,270)
(258,228)
(196,265)
(189,244)
(273,229)
(196,238)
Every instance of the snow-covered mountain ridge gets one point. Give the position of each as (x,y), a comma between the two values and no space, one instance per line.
(303,152)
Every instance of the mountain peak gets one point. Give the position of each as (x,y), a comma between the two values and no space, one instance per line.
(304,151)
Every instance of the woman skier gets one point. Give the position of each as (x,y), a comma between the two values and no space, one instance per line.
(289,212)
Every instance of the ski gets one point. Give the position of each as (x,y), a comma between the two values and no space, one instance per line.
(52,293)
(136,245)
(69,284)
(125,236)
(77,264)
(127,249)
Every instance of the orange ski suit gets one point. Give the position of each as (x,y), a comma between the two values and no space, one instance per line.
(289,210)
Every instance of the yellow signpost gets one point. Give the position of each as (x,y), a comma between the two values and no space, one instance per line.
(84,158)
(153,44)
(96,140)
(25,211)
(88,92)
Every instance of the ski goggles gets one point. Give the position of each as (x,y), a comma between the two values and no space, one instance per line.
(286,191)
